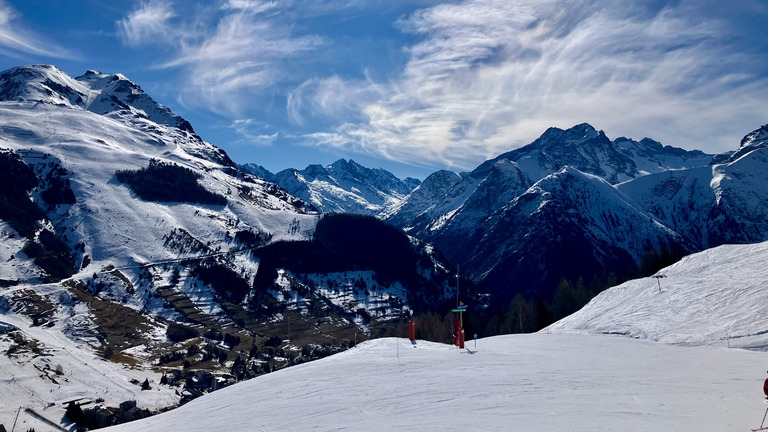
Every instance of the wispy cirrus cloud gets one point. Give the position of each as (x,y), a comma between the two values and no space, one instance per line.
(227,55)
(491,75)
(243,57)
(255,6)
(467,79)
(17,41)
(149,21)
(253,133)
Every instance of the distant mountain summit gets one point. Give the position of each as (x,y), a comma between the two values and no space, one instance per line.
(592,152)
(342,187)
(581,147)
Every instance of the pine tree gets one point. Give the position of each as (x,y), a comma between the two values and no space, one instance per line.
(75,413)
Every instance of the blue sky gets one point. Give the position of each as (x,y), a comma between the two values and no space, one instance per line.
(416,86)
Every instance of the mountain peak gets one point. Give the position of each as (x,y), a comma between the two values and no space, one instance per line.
(94,91)
(582,147)
(345,186)
(116,93)
(346,165)
(756,137)
(575,135)
(754,140)
(40,83)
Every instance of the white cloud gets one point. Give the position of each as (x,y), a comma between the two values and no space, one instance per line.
(255,6)
(252,133)
(333,99)
(491,75)
(227,56)
(146,23)
(481,76)
(17,41)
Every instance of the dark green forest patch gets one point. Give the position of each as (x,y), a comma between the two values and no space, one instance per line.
(167,182)
(16,180)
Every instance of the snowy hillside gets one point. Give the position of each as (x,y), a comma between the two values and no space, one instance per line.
(712,205)
(551,381)
(715,297)
(126,237)
(50,367)
(568,225)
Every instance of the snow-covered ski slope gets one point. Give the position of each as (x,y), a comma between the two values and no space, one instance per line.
(715,297)
(540,382)
(567,378)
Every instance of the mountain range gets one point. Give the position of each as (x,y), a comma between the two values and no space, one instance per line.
(572,205)
(112,206)
(342,187)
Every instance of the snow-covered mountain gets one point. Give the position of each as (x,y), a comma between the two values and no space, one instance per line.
(342,187)
(124,234)
(576,375)
(574,204)
(109,95)
(580,147)
(712,205)
(566,226)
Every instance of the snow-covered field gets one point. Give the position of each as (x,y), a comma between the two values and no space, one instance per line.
(715,297)
(541,382)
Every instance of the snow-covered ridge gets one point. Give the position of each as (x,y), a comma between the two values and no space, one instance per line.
(696,200)
(94,91)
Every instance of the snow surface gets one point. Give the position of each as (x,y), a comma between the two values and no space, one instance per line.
(541,382)
(78,128)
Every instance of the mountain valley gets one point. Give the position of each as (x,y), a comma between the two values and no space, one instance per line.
(133,249)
